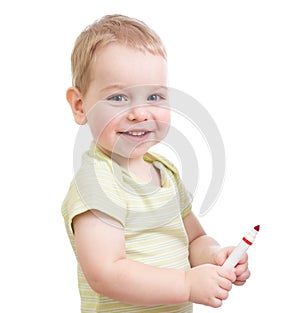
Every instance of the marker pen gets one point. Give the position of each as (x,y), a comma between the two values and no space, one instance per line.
(241,249)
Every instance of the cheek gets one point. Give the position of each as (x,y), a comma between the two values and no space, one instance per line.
(101,124)
(163,119)
(108,131)
(163,116)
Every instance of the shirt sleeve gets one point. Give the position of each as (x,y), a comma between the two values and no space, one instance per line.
(95,187)
(185,198)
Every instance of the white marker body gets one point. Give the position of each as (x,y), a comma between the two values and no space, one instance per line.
(240,250)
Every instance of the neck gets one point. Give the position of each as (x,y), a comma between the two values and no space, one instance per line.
(135,165)
(139,167)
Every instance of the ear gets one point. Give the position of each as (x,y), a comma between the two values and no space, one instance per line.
(74,98)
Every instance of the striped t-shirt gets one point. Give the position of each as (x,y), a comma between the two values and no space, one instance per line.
(151,218)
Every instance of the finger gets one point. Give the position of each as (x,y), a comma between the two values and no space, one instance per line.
(215,302)
(241,269)
(244,259)
(222,255)
(225,284)
(241,279)
(239,283)
(227,273)
(222,294)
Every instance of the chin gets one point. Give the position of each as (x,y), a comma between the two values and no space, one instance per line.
(135,152)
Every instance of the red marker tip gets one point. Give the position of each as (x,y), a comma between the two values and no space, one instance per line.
(257,227)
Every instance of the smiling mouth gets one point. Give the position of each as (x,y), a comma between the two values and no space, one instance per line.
(136,133)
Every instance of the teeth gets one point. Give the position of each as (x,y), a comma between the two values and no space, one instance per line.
(133,133)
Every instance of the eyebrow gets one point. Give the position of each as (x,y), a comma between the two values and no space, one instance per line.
(122,87)
(113,87)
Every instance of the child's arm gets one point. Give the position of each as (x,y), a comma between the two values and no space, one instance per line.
(102,257)
(204,249)
(101,254)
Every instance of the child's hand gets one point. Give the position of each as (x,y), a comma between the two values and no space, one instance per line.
(241,269)
(209,284)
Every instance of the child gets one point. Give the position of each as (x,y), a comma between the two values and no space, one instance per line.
(138,244)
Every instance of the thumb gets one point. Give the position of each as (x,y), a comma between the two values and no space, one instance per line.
(222,255)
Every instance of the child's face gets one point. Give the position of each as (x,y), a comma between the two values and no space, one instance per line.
(126,102)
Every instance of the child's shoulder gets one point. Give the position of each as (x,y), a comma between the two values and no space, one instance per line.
(156,157)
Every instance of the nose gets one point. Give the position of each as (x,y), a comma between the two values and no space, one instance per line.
(139,114)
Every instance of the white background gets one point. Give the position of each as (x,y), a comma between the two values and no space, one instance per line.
(240,59)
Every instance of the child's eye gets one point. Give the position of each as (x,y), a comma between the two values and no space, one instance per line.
(155,97)
(117,98)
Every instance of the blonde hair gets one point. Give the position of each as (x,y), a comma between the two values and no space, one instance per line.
(111,28)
